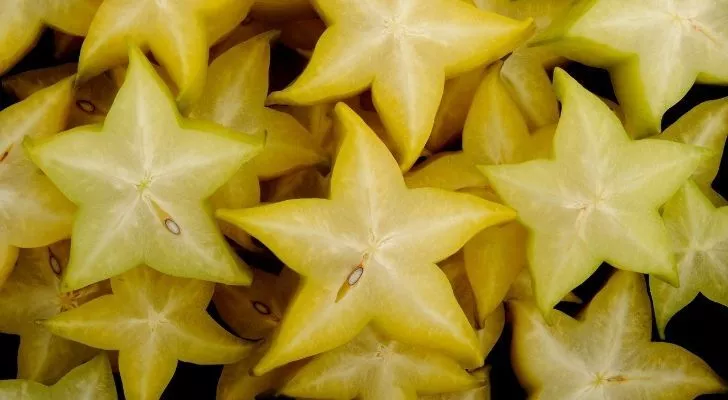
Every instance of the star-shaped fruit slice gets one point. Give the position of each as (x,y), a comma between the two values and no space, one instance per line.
(699,235)
(153,320)
(372,366)
(178,34)
(373,239)
(141,180)
(92,380)
(24,20)
(235,98)
(705,126)
(93,98)
(606,353)
(31,294)
(524,71)
(597,199)
(655,50)
(397,49)
(33,212)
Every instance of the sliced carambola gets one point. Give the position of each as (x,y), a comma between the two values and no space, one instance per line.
(24,20)
(33,212)
(154,320)
(596,200)
(374,239)
(699,237)
(606,353)
(179,35)
(141,181)
(32,293)
(93,98)
(372,367)
(366,47)
(92,380)
(654,50)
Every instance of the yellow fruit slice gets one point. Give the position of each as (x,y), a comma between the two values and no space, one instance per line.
(374,367)
(253,312)
(365,46)
(374,239)
(33,212)
(31,294)
(654,50)
(699,237)
(597,200)
(92,380)
(153,320)
(179,35)
(23,22)
(606,353)
(705,126)
(93,98)
(141,181)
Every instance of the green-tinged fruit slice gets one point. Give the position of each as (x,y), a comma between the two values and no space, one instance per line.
(33,212)
(153,320)
(32,293)
(699,237)
(606,353)
(141,181)
(373,367)
(596,200)
(92,380)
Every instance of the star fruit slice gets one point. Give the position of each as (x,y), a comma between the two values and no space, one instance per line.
(179,35)
(31,294)
(396,49)
(373,366)
(24,20)
(153,320)
(33,212)
(141,181)
(236,99)
(654,50)
(373,239)
(237,381)
(92,380)
(699,237)
(488,327)
(596,200)
(606,353)
(93,98)
(253,312)
(705,126)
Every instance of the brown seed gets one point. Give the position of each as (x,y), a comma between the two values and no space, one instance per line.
(172,226)
(86,106)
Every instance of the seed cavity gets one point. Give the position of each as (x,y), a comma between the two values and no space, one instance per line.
(351,280)
(172,226)
(355,275)
(54,263)
(4,155)
(86,106)
(261,308)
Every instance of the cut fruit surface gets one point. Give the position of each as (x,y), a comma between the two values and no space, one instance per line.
(606,353)
(367,254)
(601,186)
(396,49)
(153,320)
(141,181)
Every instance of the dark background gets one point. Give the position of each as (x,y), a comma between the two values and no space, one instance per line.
(701,327)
